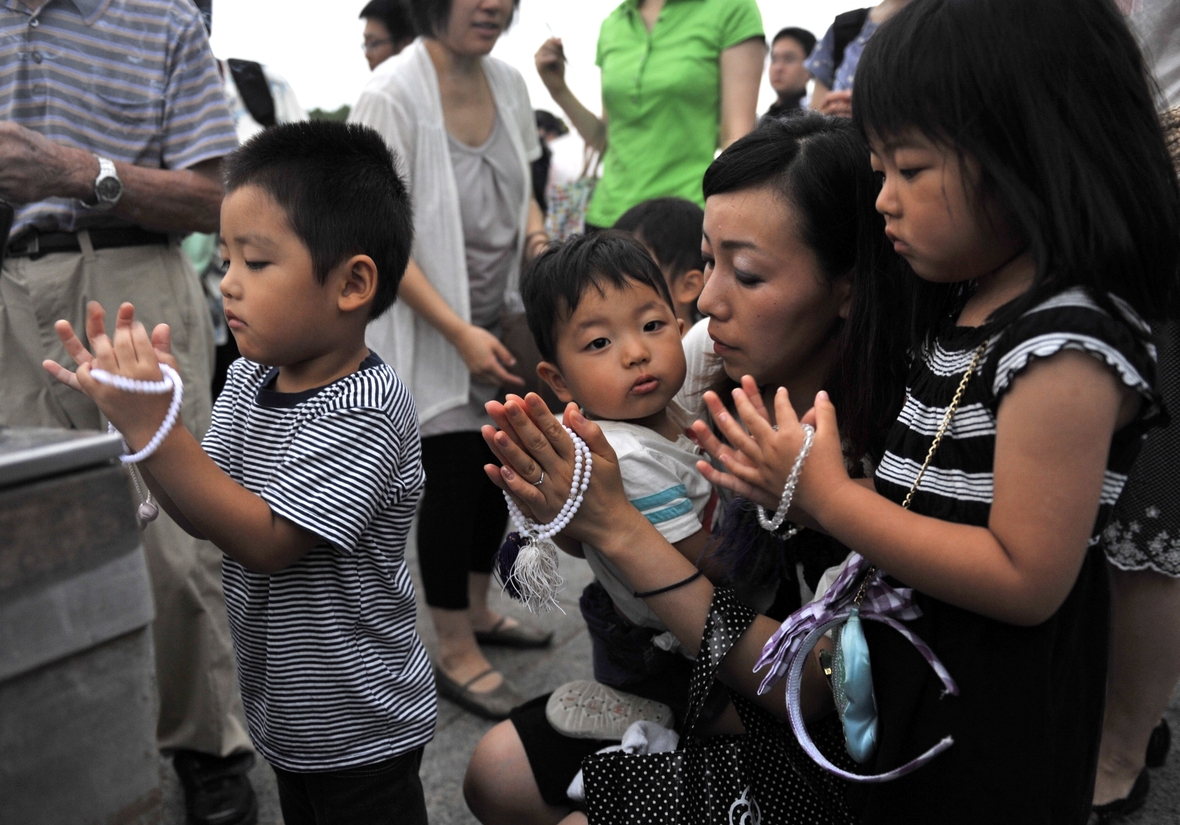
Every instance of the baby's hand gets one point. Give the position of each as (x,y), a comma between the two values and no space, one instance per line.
(131,354)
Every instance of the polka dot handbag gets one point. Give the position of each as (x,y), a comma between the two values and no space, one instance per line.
(761,777)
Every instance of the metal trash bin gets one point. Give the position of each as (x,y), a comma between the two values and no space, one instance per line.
(77,674)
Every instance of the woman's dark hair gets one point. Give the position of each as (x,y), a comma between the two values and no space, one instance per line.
(1065,132)
(394,15)
(432,16)
(819,166)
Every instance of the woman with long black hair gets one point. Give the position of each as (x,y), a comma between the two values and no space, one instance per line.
(802,290)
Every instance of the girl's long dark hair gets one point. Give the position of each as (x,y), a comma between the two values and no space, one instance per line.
(820,167)
(1053,100)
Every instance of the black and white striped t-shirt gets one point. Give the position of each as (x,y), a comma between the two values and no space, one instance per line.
(332,671)
(958,484)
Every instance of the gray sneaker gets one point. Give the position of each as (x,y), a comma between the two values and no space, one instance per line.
(589,710)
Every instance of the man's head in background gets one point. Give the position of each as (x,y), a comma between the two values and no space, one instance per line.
(549,125)
(788,77)
(389,28)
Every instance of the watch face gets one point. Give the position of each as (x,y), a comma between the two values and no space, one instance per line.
(108,189)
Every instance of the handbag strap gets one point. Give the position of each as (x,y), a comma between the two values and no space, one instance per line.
(728,619)
(943,426)
(798,659)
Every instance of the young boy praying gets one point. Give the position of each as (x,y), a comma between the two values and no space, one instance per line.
(308,476)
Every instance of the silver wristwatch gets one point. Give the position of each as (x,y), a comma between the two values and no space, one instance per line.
(107,186)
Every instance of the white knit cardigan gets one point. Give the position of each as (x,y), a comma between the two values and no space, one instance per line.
(401,101)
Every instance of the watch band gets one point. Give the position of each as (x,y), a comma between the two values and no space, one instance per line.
(107,186)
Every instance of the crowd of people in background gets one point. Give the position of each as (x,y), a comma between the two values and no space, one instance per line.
(975,262)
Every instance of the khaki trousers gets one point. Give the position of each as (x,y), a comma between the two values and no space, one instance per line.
(200,707)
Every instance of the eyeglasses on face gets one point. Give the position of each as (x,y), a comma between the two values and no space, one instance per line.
(373,45)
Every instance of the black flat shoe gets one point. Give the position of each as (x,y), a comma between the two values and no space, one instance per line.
(1115,809)
(1158,745)
(521,636)
(494,704)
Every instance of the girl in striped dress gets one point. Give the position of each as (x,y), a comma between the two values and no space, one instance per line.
(1031,195)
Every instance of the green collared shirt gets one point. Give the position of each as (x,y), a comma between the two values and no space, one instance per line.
(661,92)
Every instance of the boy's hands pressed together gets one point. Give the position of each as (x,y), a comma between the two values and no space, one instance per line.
(192,489)
(132,354)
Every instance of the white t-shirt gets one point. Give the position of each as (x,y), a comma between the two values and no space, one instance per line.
(662,481)
(703,367)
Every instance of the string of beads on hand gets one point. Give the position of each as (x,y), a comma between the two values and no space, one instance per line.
(539,532)
(170,383)
(772,524)
(530,570)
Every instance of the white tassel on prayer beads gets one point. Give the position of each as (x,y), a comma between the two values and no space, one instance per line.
(533,575)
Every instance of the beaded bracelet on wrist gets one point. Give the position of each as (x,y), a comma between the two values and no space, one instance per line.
(772,524)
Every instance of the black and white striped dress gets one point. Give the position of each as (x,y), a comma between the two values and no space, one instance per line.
(332,671)
(1027,722)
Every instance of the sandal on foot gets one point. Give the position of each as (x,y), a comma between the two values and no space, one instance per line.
(589,710)
(1117,808)
(494,704)
(521,636)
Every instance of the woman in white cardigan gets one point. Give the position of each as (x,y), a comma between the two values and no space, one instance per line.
(463,130)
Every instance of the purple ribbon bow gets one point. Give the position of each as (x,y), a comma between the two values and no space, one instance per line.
(786,651)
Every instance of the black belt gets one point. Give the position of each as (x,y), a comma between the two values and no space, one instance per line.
(34,244)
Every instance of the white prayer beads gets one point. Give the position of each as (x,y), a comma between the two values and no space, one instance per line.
(147,510)
(534,573)
(171,383)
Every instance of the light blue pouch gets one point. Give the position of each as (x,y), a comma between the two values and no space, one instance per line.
(852,687)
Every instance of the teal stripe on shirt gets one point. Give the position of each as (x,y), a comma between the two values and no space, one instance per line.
(660,498)
(669,513)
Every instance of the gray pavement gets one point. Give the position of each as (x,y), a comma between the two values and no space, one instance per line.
(536,672)
(532,671)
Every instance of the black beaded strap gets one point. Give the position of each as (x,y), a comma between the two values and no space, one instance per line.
(645,594)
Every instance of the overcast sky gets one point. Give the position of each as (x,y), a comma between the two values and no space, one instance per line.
(316,45)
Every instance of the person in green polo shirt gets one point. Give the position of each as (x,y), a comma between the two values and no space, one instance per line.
(679,81)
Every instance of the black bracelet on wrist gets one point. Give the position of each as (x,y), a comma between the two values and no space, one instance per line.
(657,592)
